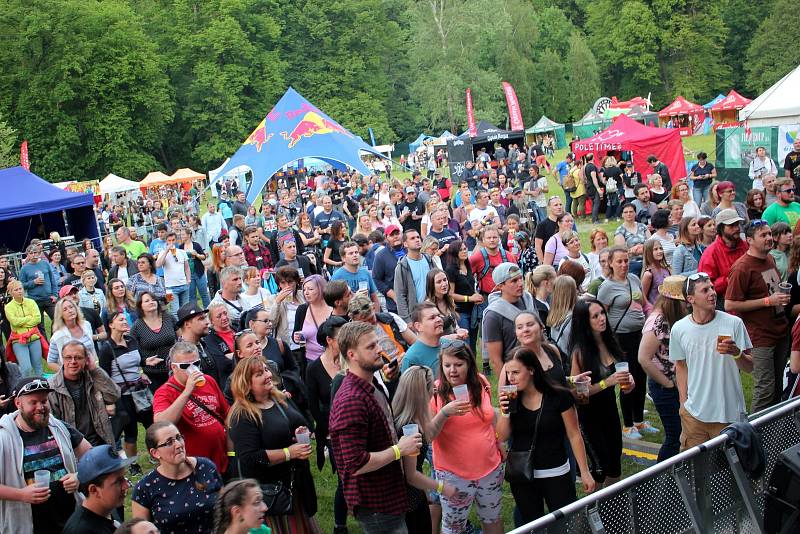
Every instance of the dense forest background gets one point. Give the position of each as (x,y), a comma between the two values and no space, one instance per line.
(130,86)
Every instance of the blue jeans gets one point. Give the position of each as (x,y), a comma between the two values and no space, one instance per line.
(667,404)
(465,321)
(199,285)
(181,297)
(635,267)
(700,193)
(380,523)
(29,358)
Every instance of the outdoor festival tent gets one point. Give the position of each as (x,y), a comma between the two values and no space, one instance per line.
(186,175)
(416,143)
(443,139)
(115,184)
(636,112)
(727,109)
(545,125)
(709,105)
(293,130)
(588,125)
(635,101)
(627,135)
(29,201)
(488,134)
(682,114)
(153,179)
(777,105)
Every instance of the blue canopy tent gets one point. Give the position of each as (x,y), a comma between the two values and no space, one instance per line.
(720,97)
(293,130)
(415,144)
(30,205)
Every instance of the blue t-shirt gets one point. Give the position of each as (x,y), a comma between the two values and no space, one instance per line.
(185,505)
(353,279)
(444,237)
(156,246)
(419,271)
(421,354)
(563,169)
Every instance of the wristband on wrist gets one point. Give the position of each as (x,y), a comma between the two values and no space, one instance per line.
(571,380)
(737,355)
(603,385)
(440,487)
(287,454)
(766,302)
(396,450)
(466,298)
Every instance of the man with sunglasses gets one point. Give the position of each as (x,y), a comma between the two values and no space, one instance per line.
(784,208)
(30,439)
(394,336)
(194,403)
(719,256)
(709,349)
(753,294)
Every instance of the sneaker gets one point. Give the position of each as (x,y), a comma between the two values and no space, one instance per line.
(646,428)
(630,432)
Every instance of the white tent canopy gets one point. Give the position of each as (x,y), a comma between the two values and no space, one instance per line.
(115,184)
(777,105)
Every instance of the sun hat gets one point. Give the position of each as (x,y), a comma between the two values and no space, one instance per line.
(672,287)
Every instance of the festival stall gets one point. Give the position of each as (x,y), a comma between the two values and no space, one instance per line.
(636,112)
(295,129)
(416,143)
(545,125)
(588,125)
(31,207)
(626,104)
(627,135)
(488,135)
(113,184)
(682,115)
(725,113)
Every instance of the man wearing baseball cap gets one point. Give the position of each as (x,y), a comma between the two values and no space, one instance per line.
(411,211)
(505,303)
(101,473)
(386,259)
(720,255)
(30,440)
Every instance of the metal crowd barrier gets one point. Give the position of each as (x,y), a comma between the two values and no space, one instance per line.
(702,490)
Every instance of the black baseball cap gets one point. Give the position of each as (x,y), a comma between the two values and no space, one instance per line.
(31,384)
(188,311)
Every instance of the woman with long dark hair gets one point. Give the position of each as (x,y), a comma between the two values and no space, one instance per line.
(155,333)
(263,427)
(331,257)
(594,348)
(542,418)
(438,292)
(462,288)
(623,296)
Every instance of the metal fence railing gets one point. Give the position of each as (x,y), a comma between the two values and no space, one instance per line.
(703,490)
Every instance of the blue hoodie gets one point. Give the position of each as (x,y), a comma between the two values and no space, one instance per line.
(43,292)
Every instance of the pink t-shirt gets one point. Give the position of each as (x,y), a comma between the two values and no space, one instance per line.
(467,446)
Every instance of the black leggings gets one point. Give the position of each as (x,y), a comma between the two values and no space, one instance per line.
(531,497)
(600,424)
(633,403)
(418,520)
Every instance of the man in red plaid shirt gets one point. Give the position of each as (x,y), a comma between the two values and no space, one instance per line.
(364,439)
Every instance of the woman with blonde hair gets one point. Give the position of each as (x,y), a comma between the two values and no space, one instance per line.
(23,315)
(270,438)
(430,247)
(253,295)
(68,325)
(430,207)
(559,317)
(539,283)
(686,257)
(707,207)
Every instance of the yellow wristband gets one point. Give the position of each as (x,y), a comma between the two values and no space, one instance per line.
(466,298)
(603,385)
(231,453)
(396,450)
(737,355)
(287,453)
(440,487)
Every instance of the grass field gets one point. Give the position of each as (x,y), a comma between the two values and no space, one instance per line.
(326,481)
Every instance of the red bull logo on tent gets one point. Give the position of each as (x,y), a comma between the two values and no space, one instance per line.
(312,123)
(259,136)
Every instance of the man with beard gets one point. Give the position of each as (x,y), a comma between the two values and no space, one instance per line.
(32,440)
(385,262)
(719,256)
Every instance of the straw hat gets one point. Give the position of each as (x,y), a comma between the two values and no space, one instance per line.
(672,287)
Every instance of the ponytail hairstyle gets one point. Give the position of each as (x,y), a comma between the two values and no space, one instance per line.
(233,494)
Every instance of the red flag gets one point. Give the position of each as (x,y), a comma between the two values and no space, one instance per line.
(514,113)
(747,131)
(471,126)
(23,156)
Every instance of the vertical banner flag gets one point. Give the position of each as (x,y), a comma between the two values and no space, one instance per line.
(513,107)
(23,156)
(372,136)
(471,126)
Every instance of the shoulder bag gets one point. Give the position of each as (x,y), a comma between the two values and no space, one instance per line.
(630,301)
(519,464)
(141,395)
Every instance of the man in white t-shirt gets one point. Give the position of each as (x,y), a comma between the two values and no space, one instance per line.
(709,348)
(176,273)
(535,190)
(483,214)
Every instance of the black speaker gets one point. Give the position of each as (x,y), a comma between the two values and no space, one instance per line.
(782,498)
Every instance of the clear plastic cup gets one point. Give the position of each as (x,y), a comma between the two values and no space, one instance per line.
(303,437)
(41,478)
(582,389)
(363,285)
(623,367)
(785,288)
(511,392)
(461,392)
(410,430)
(193,369)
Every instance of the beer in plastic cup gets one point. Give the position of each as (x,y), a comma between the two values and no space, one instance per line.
(511,392)
(625,368)
(582,389)
(169,296)
(41,478)
(303,437)
(410,430)
(461,392)
(721,338)
(202,381)
(363,285)
(785,288)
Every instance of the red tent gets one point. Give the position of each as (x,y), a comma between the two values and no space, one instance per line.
(680,106)
(625,104)
(625,134)
(725,112)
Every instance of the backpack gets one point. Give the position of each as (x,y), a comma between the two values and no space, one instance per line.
(486,266)
(569,183)
(611,185)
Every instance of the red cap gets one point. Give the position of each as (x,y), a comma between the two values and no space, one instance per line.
(66,290)
(391,228)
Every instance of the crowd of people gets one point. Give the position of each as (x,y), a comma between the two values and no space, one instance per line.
(347,312)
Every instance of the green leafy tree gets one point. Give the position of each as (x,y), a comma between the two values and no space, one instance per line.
(583,78)
(9,156)
(772,52)
(84,85)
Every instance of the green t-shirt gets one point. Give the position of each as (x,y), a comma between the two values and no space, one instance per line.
(790,214)
(134,248)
